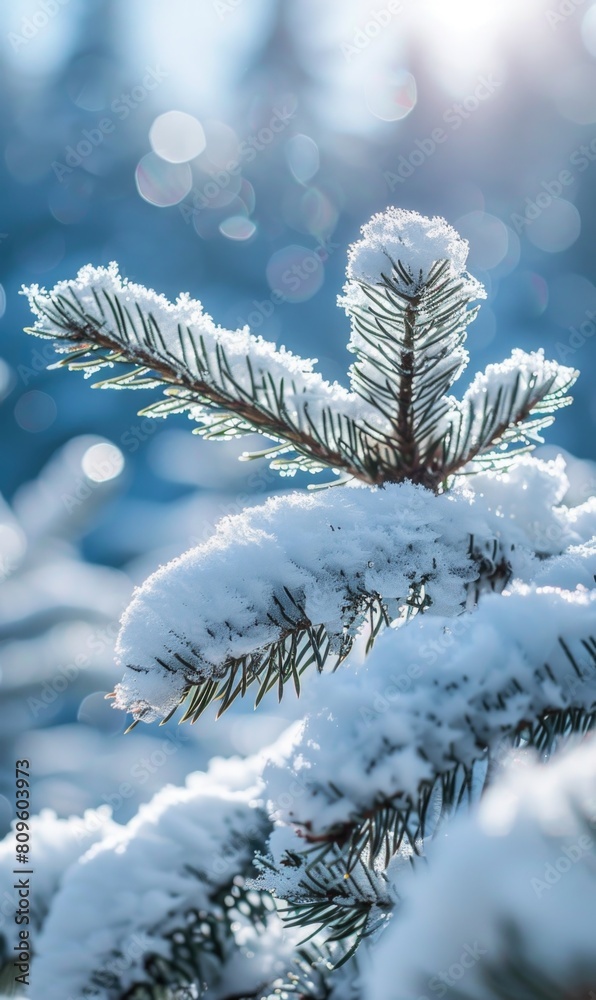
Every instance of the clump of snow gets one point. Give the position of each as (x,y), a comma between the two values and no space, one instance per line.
(433,693)
(555,545)
(529,497)
(118,904)
(416,242)
(525,862)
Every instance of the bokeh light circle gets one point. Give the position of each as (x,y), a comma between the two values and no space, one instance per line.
(237,227)
(302,155)
(589,30)
(488,238)
(68,205)
(391,96)
(162,183)
(536,293)
(177,137)
(247,196)
(296,273)
(215,191)
(556,228)
(43,253)
(102,462)
(223,147)
(319,214)
(95,711)
(35,411)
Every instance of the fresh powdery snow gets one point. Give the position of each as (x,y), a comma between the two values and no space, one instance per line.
(529,495)
(523,863)
(118,904)
(414,240)
(434,692)
(509,390)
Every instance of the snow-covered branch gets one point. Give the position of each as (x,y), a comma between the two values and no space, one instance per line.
(59,843)
(287,584)
(439,694)
(153,904)
(407,295)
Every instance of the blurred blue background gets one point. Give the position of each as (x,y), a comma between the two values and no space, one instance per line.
(232,148)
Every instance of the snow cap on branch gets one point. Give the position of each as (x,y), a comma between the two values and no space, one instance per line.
(414,240)
(169,316)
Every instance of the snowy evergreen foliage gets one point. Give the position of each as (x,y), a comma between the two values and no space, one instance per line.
(443,602)
(538,824)
(170,926)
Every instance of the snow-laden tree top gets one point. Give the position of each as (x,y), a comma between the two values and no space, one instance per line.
(292,585)
(408,299)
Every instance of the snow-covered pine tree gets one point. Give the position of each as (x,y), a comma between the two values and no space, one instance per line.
(436,613)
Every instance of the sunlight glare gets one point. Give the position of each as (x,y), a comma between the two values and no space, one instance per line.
(464,37)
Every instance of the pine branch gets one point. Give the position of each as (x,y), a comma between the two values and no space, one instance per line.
(171,910)
(325,897)
(509,404)
(367,845)
(270,668)
(310,979)
(286,587)
(398,424)
(409,343)
(199,373)
(201,944)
